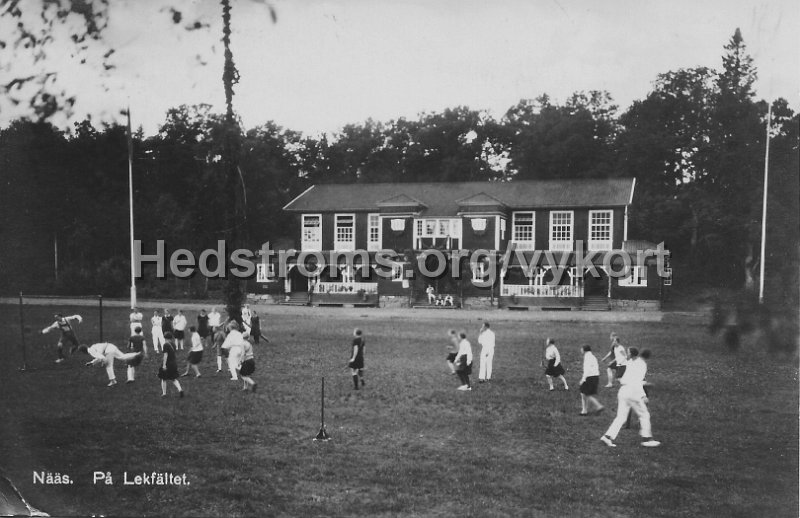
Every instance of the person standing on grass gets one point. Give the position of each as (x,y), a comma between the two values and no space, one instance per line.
(219,339)
(105,353)
(231,348)
(166,323)
(179,329)
(356,362)
(554,368)
(157,332)
(202,326)
(195,354)
(136,318)
(617,366)
(168,370)
(589,382)
(632,397)
(63,324)
(463,361)
(486,339)
(452,349)
(248,366)
(255,327)
(136,344)
(246,316)
(214,320)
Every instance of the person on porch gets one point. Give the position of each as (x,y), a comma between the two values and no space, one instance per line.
(431,294)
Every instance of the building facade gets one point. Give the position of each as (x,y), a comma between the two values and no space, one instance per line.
(522,244)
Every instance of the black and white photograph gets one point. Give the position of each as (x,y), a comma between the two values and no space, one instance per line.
(399,258)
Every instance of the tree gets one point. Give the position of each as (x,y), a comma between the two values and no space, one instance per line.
(570,141)
(27,35)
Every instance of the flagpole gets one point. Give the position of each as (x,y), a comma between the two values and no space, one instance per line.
(130,205)
(764,212)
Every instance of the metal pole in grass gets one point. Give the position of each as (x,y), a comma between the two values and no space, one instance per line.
(322,435)
(22,334)
(100,298)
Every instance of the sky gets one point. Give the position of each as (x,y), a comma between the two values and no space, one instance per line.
(327,63)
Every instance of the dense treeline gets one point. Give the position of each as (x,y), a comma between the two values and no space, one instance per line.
(696,145)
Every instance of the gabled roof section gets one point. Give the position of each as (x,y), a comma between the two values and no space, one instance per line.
(480,200)
(444,199)
(401,200)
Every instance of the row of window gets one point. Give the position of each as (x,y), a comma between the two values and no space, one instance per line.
(562,232)
(431,231)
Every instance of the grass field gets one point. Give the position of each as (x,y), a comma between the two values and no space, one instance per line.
(409,444)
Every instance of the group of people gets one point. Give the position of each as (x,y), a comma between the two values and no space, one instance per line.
(231,340)
(164,322)
(628,366)
(459,355)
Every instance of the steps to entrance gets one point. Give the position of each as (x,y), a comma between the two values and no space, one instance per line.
(296,299)
(595,303)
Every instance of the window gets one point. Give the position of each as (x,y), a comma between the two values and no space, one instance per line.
(311,239)
(397,272)
(561,230)
(502,228)
(345,232)
(445,229)
(636,279)
(373,232)
(265,274)
(522,224)
(600,233)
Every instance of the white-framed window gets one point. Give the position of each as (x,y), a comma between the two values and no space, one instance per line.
(345,228)
(311,239)
(502,228)
(561,222)
(636,279)
(522,230)
(601,224)
(373,232)
(448,229)
(397,272)
(265,273)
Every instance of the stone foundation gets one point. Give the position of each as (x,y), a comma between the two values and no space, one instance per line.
(479,303)
(634,305)
(393,301)
(264,298)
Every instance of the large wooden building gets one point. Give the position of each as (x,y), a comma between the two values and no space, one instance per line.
(549,224)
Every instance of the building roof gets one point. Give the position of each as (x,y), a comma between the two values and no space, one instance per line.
(442,199)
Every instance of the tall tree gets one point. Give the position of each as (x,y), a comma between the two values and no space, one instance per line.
(570,141)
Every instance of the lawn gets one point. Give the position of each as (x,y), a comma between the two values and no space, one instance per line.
(409,444)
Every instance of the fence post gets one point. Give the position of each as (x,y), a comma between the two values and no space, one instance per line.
(22,334)
(100,298)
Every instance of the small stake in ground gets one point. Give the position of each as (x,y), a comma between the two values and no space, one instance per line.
(322,435)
